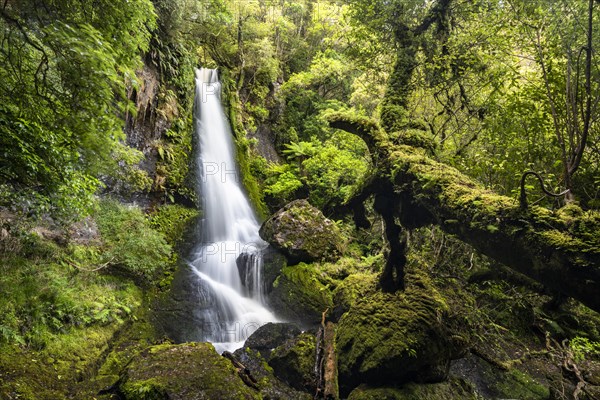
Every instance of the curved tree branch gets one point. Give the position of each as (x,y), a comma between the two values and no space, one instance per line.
(523,195)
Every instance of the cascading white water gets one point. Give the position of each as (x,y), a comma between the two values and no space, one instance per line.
(230,229)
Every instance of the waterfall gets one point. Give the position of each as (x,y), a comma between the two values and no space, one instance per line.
(228,259)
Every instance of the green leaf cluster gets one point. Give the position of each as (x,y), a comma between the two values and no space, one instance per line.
(129,242)
(64,70)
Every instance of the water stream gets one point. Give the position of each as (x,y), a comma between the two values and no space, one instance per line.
(229,241)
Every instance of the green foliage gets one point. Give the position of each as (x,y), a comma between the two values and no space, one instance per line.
(282,182)
(42,299)
(129,241)
(308,93)
(172,220)
(173,174)
(336,169)
(583,348)
(330,171)
(64,71)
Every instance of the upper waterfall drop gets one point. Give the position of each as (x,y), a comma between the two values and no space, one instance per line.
(230,229)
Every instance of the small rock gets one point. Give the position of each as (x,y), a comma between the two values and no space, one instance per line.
(85,232)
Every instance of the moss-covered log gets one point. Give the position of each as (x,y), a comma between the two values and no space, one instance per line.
(560,249)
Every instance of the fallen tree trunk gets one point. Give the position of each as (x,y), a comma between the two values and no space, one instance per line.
(560,249)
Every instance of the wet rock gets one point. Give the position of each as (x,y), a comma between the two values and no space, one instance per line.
(302,233)
(270,336)
(192,371)
(245,265)
(85,232)
(294,362)
(273,263)
(270,387)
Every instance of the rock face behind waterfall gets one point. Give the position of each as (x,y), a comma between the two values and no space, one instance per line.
(302,233)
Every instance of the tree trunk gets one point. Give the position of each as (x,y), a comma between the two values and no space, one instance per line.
(559,249)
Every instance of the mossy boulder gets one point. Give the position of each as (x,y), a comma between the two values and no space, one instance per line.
(354,287)
(302,233)
(191,371)
(454,389)
(299,294)
(391,338)
(294,362)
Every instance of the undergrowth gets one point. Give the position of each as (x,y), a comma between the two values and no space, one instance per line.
(62,299)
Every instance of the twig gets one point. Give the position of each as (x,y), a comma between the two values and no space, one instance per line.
(102,266)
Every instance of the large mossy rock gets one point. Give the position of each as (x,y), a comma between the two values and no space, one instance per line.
(454,389)
(294,362)
(354,287)
(192,371)
(392,338)
(302,233)
(300,295)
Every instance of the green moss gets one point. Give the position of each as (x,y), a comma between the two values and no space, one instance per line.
(454,389)
(54,371)
(299,292)
(347,266)
(522,386)
(460,198)
(243,153)
(172,220)
(391,336)
(415,138)
(188,371)
(294,361)
(150,389)
(354,287)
